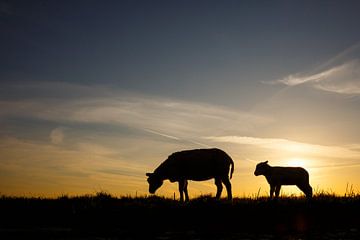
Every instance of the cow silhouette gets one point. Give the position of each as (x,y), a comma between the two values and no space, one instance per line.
(196,165)
(277,176)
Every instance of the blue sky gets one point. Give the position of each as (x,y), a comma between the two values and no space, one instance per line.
(100,93)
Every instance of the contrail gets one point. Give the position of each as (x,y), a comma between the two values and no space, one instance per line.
(161,134)
(175,138)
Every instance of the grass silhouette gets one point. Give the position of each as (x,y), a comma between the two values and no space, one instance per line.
(106,216)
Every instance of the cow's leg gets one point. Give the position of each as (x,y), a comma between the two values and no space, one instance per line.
(277,191)
(306,188)
(309,192)
(272,189)
(302,188)
(181,189)
(186,190)
(219,187)
(227,184)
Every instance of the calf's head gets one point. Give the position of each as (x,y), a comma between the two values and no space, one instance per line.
(261,168)
(154,182)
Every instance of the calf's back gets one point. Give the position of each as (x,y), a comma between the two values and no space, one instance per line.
(288,175)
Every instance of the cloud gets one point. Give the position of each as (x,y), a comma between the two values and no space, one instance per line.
(57,135)
(293,80)
(339,74)
(342,79)
(351,88)
(169,118)
(285,145)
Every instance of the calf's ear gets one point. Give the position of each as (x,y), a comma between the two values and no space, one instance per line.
(148,174)
(266,161)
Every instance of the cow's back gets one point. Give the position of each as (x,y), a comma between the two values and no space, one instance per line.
(197,164)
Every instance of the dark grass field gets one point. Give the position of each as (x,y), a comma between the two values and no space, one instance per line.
(102,216)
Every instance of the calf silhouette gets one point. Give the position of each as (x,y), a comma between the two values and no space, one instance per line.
(277,176)
(197,165)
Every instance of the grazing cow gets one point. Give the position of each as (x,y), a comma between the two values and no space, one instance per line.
(277,176)
(197,165)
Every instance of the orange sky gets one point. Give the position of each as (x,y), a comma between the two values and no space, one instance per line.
(91,151)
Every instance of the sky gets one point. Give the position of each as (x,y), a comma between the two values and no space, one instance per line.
(94,94)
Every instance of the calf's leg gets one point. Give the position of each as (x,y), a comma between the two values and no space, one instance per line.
(277,191)
(272,189)
(306,188)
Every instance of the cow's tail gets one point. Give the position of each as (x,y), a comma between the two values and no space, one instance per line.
(232,168)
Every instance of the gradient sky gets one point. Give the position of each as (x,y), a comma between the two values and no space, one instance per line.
(94,94)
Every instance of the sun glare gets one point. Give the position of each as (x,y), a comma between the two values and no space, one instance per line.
(296,162)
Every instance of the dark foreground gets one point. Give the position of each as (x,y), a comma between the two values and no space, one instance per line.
(105,217)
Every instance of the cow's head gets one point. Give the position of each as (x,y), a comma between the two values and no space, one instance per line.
(261,168)
(154,182)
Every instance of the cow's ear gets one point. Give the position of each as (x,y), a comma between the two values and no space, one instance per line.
(266,161)
(148,174)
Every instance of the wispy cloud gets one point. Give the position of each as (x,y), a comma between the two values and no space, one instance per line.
(280,144)
(351,88)
(342,79)
(293,80)
(339,74)
(170,118)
